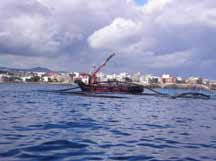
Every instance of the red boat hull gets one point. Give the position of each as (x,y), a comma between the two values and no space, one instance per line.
(115,87)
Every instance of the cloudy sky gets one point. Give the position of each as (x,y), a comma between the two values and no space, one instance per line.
(150,36)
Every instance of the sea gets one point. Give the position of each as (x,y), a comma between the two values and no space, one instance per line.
(37,125)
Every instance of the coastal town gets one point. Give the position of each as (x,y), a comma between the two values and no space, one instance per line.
(51,77)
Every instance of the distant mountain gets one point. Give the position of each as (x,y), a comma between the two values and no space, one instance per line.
(39,69)
(8,69)
(36,69)
(3,68)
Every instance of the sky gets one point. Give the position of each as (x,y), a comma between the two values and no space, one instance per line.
(140,2)
(148,36)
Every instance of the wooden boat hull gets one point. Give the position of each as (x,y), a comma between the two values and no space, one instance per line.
(113,87)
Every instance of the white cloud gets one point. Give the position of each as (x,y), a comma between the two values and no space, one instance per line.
(27,32)
(31,34)
(120,33)
(165,28)
(155,6)
(174,32)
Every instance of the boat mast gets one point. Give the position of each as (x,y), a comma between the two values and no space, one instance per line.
(99,68)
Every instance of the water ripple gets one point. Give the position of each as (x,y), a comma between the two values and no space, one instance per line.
(48,126)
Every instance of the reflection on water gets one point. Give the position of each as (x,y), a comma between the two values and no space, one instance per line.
(50,126)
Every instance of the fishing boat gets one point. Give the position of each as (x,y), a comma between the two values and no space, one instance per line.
(113,87)
(108,86)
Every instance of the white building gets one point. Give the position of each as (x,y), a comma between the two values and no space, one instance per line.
(101,77)
(40,74)
(1,78)
(166,76)
(111,76)
(149,79)
(25,78)
(145,79)
(205,81)
(136,77)
(123,76)
(45,79)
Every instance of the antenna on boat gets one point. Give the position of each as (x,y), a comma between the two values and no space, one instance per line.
(92,69)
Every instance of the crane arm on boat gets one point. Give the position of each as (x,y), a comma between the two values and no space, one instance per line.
(101,66)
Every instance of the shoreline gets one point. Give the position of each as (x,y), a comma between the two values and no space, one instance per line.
(161,86)
(178,86)
(42,83)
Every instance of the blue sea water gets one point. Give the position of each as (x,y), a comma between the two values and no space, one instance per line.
(41,126)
